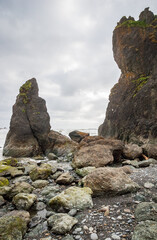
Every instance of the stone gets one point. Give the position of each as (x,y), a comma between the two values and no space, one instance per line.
(145,230)
(150,150)
(65,178)
(6,170)
(22,214)
(42,172)
(77,136)
(38,157)
(13,162)
(61,223)
(115,236)
(29,125)
(95,156)
(68,237)
(134,163)
(147,163)
(72,212)
(56,175)
(52,156)
(20,187)
(132,151)
(148,185)
(3,181)
(131,114)
(49,192)
(84,171)
(12,227)
(40,206)
(24,200)
(108,180)
(93,236)
(2,201)
(60,145)
(146,211)
(73,197)
(40,183)
(5,191)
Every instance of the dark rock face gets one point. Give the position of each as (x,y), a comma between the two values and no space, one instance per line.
(131,114)
(30,124)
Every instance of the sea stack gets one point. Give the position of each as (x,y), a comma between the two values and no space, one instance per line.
(29,125)
(132,110)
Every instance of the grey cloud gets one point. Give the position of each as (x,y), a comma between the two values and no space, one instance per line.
(67,46)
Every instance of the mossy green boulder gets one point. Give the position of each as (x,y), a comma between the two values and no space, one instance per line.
(6,170)
(42,172)
(73,197)
(61,223)
(20,187)
(3,181)
(24,201)
(13,162)
(12,228)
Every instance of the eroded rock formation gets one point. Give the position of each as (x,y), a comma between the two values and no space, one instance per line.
(131,114)
(30,123)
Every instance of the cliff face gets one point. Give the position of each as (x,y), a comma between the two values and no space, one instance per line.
(132,110)
(30,123)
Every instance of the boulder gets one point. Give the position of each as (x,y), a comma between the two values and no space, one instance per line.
(42,172)
(30,124)
(20,187)
(49,192)
(40,183)
(77,136)
(24,200)
(116,146)
(65,179)
(145,230)
(132,151)
(13,162)
(61,223)
(150,150)
(12,227)
(3,181)
(6,170)
(107,180)
(96,156)
(22,214)
(131,114)
(73,197)
(60,145)
(146,211)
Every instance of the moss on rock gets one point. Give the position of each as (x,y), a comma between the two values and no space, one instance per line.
(3,181)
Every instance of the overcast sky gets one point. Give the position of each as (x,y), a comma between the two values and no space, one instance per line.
(67,46)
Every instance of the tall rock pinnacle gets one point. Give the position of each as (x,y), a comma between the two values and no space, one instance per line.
(132,110)
(30,123)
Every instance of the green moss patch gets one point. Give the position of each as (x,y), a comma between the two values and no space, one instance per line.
(3,181)
(24,91)
(9,162)
(140,82)
(132,23)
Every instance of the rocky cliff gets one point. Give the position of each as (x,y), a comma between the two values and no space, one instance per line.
(30,123)
(132,110)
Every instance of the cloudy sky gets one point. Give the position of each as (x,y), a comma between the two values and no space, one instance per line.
(67,46)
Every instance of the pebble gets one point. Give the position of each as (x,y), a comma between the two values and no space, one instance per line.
(91,229)
(107,238)
(72,212)
(115,236)
(148,185)
(94,236)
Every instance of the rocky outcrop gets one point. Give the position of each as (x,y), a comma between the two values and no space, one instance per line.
(30,123)
(131,114)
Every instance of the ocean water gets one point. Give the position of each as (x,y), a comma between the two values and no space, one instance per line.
(3,133)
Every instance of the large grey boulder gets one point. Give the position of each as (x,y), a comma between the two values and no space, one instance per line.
(145,230)
(30,123)
(146,211)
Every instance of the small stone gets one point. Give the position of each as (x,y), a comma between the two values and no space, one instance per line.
(127,210)
(72,212)
(119,217)
(94,236)
(115,236)
(107,238)
(148,185)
